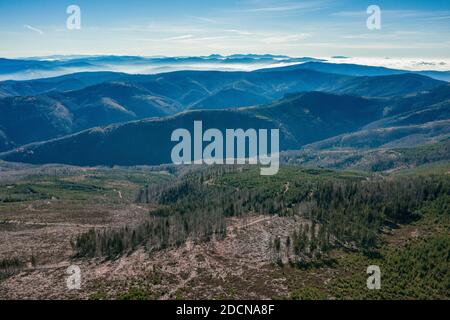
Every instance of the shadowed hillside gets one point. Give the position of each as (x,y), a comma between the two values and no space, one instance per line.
(133,97)
(302,119)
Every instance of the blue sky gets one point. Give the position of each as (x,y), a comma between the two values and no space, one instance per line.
(319,28)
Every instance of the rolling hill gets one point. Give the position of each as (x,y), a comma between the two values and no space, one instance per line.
(436,112)
(358,70)
(408,122)
(68,82)
(388,86)
(42,117)
(190,87)
(391,137)
(434,153)
(230,97)
(302,118)
(317,120)
(100,101)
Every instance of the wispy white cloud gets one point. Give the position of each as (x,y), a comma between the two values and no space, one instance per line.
(285,38)
(441,17)
(209,38)
(33,29)
(203,19)
(172,28)
(183,37)
(292,6)
(240,32)
(398,14)
(400,34)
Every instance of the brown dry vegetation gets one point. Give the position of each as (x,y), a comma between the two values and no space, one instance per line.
(38,230)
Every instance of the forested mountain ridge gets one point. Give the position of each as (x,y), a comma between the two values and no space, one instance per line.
(304,118)
(27,119)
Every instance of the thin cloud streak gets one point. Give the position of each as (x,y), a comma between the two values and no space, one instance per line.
(396,14)
(310,5)
(33,29)
(183,37)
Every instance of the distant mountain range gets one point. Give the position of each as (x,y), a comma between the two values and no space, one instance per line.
(108,118)
(63,83)
(51,66)
(107,98)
